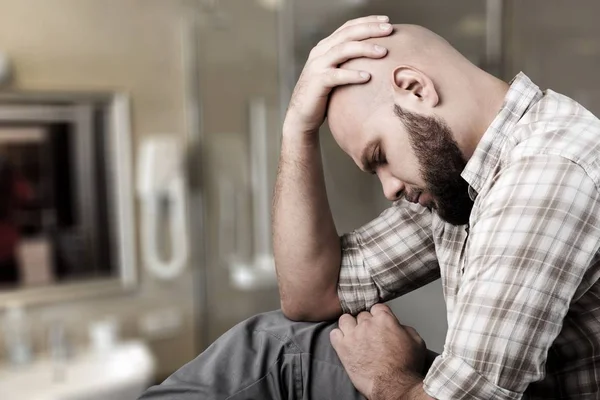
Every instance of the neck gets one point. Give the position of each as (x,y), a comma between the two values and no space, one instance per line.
(493,93)
(489,94)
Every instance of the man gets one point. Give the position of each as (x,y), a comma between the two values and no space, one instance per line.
(495,190)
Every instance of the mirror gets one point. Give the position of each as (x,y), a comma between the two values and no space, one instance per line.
(65,210)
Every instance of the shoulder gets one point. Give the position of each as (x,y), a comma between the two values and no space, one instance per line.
(557,130)
(538,186)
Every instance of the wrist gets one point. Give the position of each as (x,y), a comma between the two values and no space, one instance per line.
(298,136)
(396,388)
(294,125)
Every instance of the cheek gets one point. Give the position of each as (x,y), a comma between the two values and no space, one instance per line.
(404,166)
(402,160)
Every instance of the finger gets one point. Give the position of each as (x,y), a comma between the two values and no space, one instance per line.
(413,333)
(360,32)
(357,32)
(339,77)
(381,308)
(364,20)
(341,53)
(363,316)
(335,337)
(346,323)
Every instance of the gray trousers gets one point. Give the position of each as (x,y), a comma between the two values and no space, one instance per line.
(265,357)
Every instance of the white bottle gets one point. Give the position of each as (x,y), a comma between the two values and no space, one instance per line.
(17,335)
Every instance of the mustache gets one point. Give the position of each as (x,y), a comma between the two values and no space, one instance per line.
(413,195)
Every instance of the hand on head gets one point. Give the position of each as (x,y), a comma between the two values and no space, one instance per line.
(322,73)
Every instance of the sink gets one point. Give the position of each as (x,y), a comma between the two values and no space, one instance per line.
(122,373)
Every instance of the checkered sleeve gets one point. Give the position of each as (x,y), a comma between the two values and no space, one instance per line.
(388,257)
(536,234)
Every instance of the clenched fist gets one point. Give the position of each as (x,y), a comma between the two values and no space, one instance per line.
(382,357)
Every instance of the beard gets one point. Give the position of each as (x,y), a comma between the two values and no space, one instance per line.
(441,163)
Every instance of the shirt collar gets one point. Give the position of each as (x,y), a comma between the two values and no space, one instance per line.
(521,95)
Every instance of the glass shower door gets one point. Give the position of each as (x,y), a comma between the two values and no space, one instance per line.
(238,86)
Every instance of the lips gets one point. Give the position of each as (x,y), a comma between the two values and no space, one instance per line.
(414,198)
(425,200)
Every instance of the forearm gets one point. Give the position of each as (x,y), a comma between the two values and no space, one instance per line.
(305,241)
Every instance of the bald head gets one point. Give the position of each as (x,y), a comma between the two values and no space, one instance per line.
(409,45)
(424,74)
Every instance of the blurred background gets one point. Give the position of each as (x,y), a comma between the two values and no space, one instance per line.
(138,147)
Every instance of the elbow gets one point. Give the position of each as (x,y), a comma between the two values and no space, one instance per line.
(299,314)
(327,308)
(293,313)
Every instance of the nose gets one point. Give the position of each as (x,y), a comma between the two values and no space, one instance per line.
(392,187)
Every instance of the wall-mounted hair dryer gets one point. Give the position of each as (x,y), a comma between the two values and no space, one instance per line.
(161,185)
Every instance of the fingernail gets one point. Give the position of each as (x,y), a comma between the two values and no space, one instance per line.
(385,27)
(383,18)
(379,49)
(365,75)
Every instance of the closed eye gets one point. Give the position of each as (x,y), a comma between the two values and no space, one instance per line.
(372,157)
(378,159)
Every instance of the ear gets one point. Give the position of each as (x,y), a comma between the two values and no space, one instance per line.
(412,85)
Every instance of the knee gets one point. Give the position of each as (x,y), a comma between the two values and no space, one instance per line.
(265,322)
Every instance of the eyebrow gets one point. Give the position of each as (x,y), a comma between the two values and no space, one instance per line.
(366,158)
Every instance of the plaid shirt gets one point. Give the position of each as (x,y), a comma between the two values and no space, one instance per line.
(521,280)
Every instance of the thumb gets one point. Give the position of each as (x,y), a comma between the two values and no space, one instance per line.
(335,337)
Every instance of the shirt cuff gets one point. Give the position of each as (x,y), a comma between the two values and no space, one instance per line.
(452,378)
(356,289)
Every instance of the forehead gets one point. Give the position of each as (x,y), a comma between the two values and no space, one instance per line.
(352,108)
(356,119)
(349,114)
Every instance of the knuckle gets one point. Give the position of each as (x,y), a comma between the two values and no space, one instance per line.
(373,27)
(355,47)
(359,29)
(346,317)
(346,30)
(346,48)
(308,66)
(333,75)
(349,22)
(322,44)
(379,307)
(337,49)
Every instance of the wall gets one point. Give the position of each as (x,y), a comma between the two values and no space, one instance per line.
(557,52)
(238,62)
(110,45)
